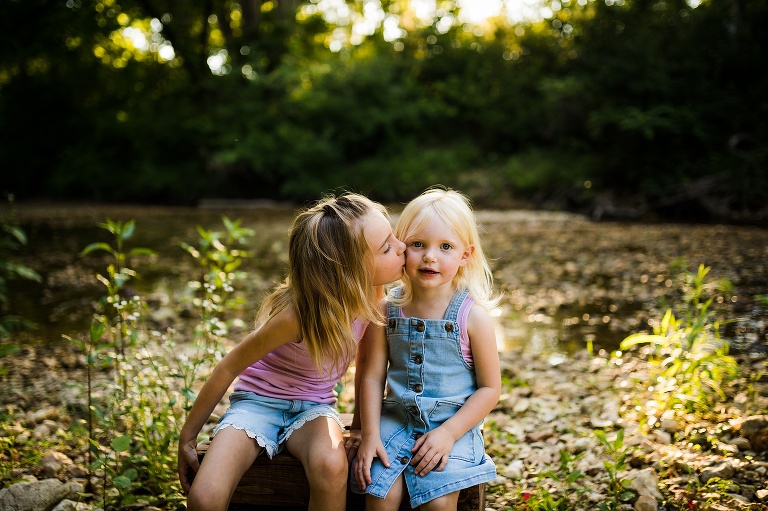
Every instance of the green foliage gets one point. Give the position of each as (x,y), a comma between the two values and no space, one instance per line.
(16,454)
(572,491)
(618,487)
(219,255)
(134,417)
(690,360)
(640,98)
(12,240)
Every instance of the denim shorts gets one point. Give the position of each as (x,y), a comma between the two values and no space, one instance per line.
(270,421)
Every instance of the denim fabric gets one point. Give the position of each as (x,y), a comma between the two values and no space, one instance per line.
(270,421)
(428,380)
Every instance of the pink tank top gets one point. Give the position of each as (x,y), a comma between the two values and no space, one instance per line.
(288,373)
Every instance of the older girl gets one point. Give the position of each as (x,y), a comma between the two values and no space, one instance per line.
(341,251)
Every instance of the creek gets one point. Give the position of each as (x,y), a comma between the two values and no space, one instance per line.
(567,282)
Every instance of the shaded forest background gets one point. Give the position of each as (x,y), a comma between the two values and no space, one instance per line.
(612,107)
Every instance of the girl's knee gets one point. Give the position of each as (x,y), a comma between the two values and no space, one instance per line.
(332,463)
(206,499)
(445,503)
(327,474)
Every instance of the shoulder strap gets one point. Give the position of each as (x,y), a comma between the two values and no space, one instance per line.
(452,312)
(393,311)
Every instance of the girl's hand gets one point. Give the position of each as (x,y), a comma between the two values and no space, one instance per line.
(188,464)
(352,443)
(366,453)
(431,451)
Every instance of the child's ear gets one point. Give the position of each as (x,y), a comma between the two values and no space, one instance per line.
(466,255)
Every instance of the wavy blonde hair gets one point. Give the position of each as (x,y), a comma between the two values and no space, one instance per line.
(329,282)
(455,209)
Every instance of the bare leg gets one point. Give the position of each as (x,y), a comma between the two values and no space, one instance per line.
(445,503)
(231,453)
(389,503)
(319,446)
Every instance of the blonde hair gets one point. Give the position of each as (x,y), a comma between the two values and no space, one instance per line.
(455,209)
(329,282)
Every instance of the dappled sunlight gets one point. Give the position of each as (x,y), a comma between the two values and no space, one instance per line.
(138,39)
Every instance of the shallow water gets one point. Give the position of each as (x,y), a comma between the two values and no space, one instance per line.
(566,281)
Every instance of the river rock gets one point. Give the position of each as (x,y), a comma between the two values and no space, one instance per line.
(514,470)
(47,413)
(724,470)
(670,425)
(755,429)
(55,464)
(742,443)
(71,505)
(645,482)
(37,496)
(646,503)
(661,437)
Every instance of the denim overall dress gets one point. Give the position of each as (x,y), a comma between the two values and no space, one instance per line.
(428,380)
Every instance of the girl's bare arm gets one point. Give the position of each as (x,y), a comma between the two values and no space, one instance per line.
(371,394)
(279,330)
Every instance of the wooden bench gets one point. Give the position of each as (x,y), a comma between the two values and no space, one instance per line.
(281,482)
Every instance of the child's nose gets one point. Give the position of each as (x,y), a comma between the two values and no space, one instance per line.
(400,247)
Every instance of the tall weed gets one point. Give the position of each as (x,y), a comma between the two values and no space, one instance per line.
(134,416)
(690,361)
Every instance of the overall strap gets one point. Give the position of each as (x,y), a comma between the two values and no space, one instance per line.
(452,312)
(393,311)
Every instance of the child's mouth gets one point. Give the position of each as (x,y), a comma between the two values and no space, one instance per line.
(427,271)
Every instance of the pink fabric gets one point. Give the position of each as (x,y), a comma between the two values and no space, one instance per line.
(288,373)
(462,316)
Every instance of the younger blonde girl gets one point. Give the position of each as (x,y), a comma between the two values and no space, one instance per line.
(437,355)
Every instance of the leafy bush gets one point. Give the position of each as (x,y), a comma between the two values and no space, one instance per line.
(690,361)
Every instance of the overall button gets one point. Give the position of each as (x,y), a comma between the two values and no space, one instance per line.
(449,327)
(420,326)
(404,460)
(417,388)
(391,323)
(417,359)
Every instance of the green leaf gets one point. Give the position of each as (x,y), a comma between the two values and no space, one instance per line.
(121,443)
(121,482)
(17,233)
(128,229)
(97,330)
(627,495)
(131,474)
(636,339)
(97,246)
(141,251)
(9,349)
(573,477)
(27,273)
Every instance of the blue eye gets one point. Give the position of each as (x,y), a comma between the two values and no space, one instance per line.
(417,244)
(446,246)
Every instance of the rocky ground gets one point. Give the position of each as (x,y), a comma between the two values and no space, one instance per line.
(551,405)
(554,405)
